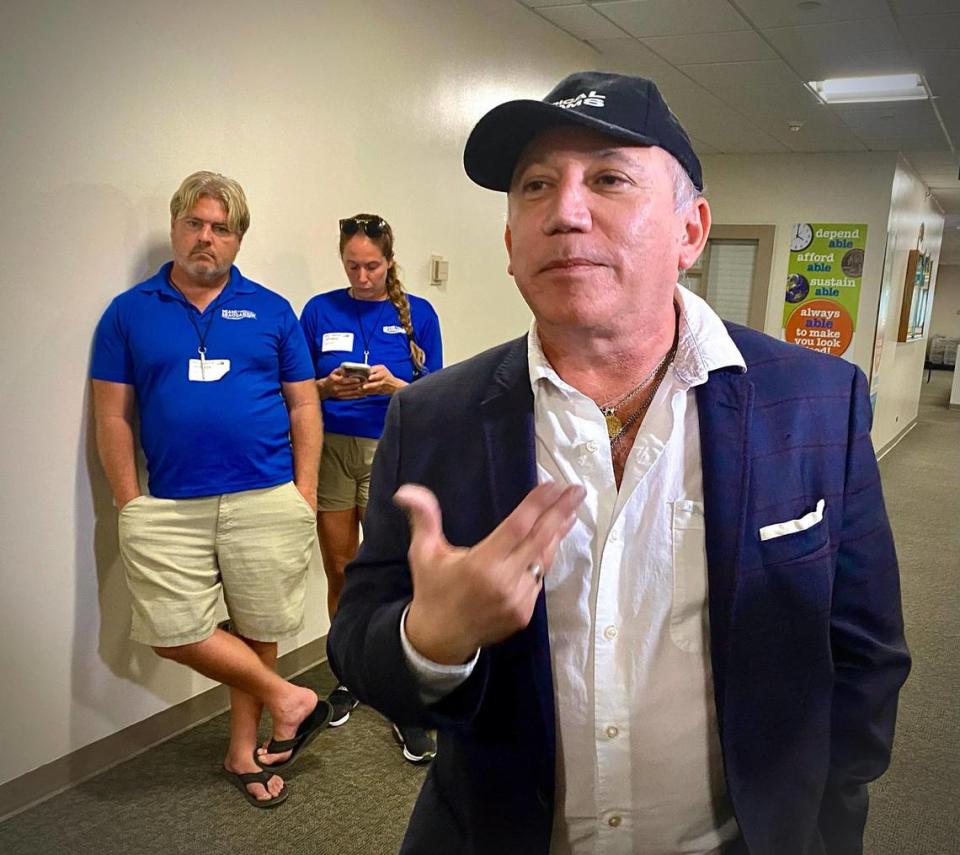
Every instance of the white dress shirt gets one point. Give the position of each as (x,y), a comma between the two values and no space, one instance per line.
(639,768)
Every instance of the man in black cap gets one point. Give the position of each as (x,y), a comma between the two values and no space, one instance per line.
(648,593)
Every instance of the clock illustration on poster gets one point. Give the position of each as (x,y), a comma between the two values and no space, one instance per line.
(801,237)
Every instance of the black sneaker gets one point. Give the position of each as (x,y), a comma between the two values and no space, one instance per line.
(418,746)
(343,703)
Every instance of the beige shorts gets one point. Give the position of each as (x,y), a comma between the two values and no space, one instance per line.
(181,554)
(344,479)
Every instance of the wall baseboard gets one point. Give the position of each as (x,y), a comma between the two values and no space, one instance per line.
(893,442)
(34,787)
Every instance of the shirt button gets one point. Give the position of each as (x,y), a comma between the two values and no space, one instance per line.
(610,633)
(612,731)
(614,821)
(614,536)
(592,446)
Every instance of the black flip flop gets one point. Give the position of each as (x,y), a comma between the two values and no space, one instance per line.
(241,779)
(306,732)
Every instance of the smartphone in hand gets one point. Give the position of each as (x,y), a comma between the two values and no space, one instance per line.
(355,369)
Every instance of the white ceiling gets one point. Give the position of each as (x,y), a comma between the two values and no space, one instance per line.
(734,72)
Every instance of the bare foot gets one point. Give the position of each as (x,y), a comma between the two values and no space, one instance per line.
(295,707)
(244,763)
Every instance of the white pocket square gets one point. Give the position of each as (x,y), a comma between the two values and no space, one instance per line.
(768,532)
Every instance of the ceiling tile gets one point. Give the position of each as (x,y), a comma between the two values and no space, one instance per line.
(702,148)
(949,200)
(786,13)
(819,51)
(672,17)
(581,21)
(949,109)
(713,47)
(767,86)
(941,68)
(704,116)
(539,4)
(903,8)
(771,97)
(931,32)
(893,125)
(938,169)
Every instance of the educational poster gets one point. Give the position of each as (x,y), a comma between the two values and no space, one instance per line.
(823,285)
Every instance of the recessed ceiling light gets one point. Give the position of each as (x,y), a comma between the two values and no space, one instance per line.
(886,87)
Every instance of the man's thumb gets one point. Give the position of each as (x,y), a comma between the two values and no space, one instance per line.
(423,514)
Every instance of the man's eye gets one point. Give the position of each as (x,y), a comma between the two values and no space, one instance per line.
(192,224)
(611,180)
(221,230)
(534,185)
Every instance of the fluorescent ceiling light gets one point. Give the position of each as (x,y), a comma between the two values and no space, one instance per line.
(851,90)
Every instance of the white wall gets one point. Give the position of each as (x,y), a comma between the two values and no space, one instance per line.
(945,318)
(875,188)
(320,110)
(900,365)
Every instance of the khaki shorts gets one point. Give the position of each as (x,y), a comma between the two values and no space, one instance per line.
(180,554)
(344,479)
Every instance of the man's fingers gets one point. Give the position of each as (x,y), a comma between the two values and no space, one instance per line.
(550,527)
(507,536)
(423,514)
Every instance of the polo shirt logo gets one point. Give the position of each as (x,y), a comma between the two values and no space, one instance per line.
(589,99)
(394,329)
(237,314)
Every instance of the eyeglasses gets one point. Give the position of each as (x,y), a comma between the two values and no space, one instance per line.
(372,228)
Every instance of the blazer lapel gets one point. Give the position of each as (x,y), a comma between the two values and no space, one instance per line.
(508,430)
(724,405)
(507,414)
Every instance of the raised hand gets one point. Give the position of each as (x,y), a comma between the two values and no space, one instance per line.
(464,598)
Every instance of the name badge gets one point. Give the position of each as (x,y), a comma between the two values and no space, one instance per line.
(207,370)
(336,341)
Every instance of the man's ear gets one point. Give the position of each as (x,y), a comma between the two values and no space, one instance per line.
(696,229)
(508,242)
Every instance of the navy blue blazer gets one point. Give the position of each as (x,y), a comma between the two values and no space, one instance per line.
(806,631)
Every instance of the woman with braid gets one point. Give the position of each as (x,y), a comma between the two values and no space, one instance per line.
(367,341)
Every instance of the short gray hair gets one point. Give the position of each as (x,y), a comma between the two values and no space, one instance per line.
(685,192)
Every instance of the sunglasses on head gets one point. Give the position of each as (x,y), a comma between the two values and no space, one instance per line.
(372,228)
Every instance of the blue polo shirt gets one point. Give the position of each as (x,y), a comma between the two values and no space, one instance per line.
(206,438)
(339,329)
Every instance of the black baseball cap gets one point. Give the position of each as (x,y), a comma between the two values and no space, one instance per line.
(627,108)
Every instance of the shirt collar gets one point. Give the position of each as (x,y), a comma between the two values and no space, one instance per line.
(703,345)
(159,283)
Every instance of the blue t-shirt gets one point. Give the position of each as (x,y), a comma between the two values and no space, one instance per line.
(340,328)
(206,438)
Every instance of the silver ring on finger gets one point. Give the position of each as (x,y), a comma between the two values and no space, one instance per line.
(536,571)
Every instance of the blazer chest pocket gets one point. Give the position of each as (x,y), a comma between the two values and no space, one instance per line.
(795,539)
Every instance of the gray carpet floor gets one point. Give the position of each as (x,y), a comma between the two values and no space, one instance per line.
(352,792)
(915,807)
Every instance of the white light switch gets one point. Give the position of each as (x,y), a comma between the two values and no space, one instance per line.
(439,270)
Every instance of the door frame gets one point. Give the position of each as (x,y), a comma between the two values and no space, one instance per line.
(760,288)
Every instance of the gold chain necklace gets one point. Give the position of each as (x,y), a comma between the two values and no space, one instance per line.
(615,427)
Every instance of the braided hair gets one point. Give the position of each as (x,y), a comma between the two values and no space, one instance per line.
(384,242)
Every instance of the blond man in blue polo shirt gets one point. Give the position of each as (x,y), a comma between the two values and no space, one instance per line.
(217,370)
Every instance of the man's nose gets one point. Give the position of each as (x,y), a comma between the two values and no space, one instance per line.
(206,233)
(569,207)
